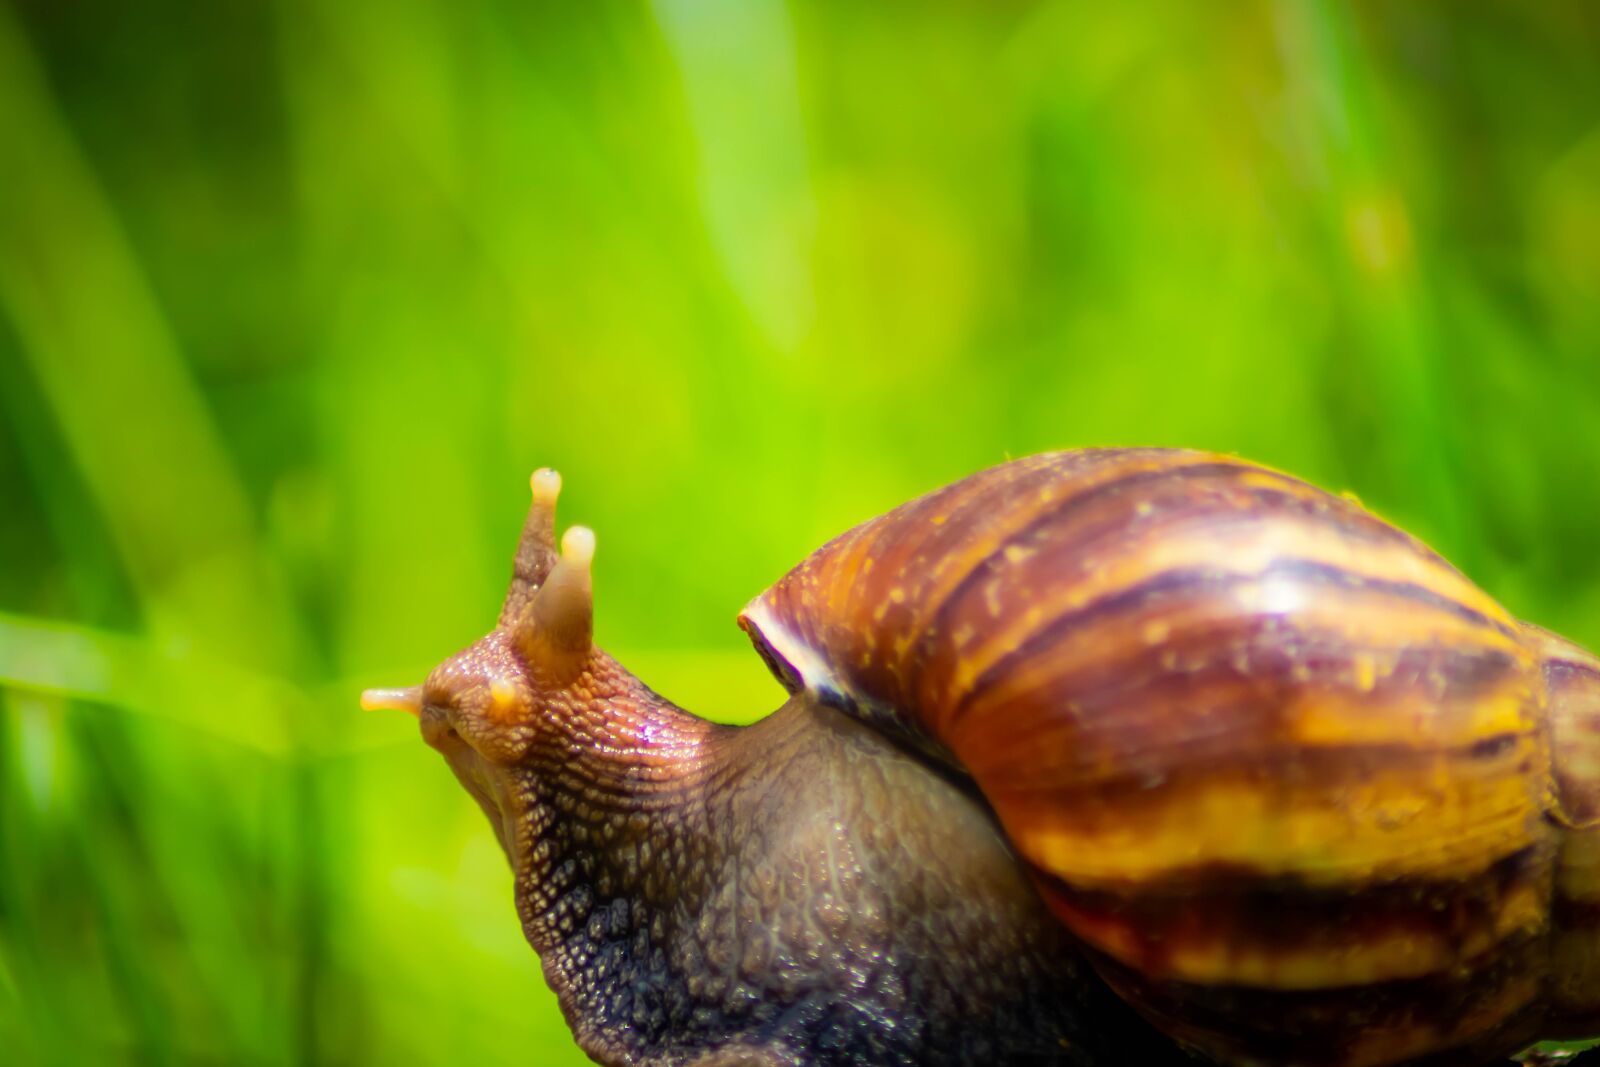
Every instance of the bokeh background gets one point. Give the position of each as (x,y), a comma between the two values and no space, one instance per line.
(294,295)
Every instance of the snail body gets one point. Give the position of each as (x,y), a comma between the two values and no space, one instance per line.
(1285,780)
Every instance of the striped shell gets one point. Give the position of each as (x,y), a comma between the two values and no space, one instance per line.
(1306,792)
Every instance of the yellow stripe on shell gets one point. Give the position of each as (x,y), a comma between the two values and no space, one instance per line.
(1396,823)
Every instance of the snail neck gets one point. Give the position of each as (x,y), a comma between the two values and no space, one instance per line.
(606,827)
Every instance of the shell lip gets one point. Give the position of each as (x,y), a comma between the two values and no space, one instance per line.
(801,668)
(777,646)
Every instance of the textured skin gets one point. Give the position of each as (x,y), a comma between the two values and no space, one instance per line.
(1285,768)
(801,891)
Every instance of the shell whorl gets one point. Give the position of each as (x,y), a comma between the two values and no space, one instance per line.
(1278,764)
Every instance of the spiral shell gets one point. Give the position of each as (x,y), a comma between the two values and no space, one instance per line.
(1281,767)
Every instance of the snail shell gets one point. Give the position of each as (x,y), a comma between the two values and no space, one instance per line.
(1286,772)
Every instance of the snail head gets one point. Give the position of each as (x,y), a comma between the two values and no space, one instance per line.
(486,706)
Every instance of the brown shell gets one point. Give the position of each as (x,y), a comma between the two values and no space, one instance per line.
(1284,769)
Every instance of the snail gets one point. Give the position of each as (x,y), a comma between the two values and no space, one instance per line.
(1109,756)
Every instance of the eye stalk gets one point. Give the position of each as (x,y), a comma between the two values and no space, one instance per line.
(536,550)
(556,634)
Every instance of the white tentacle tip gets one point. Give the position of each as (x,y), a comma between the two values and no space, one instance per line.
(546,485)
(577,545)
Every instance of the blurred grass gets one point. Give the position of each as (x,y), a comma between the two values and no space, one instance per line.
(293,295)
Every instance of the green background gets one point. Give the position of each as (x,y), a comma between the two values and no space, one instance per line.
(294,295)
